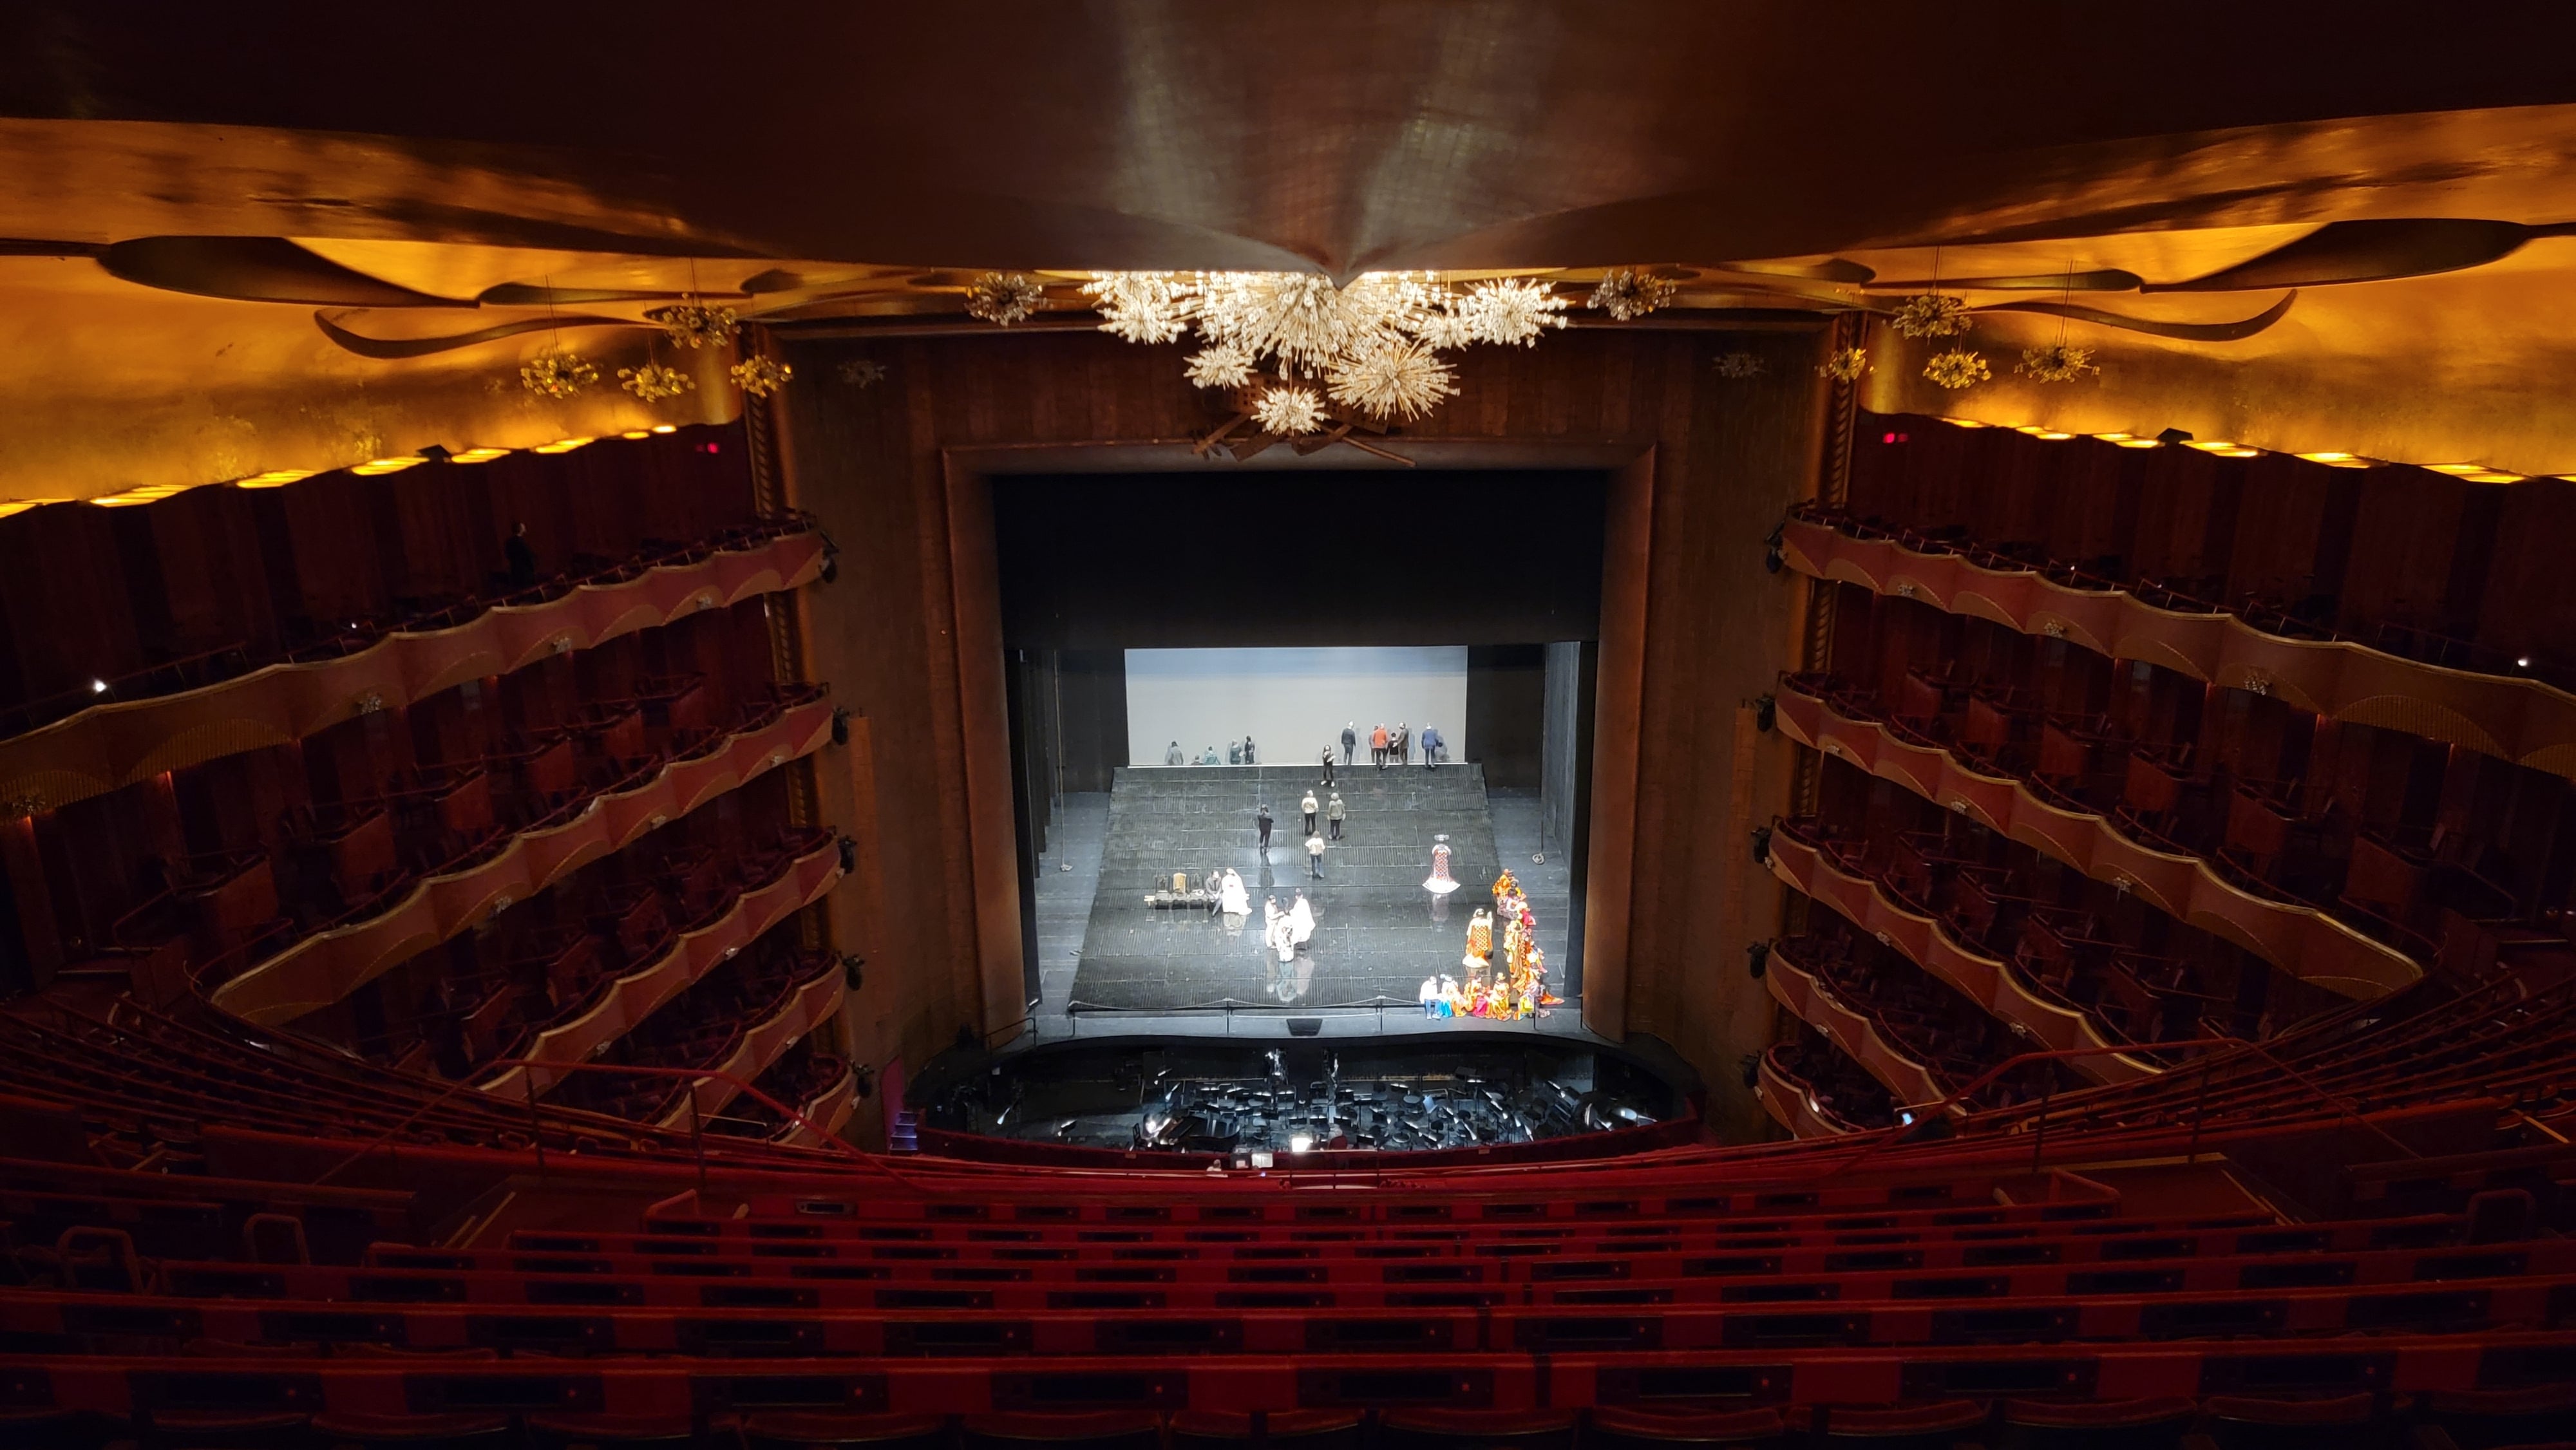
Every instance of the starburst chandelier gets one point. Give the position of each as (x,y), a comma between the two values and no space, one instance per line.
(1374,345)
(654,381)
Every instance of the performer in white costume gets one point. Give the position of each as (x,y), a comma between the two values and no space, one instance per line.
(1301,919)
(1441,882)
(1233,900)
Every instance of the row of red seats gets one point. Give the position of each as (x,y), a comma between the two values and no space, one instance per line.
(2293,548)
(215,582)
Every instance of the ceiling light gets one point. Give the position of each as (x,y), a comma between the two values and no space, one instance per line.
(2327,457)
(2113,437)
(2237,452)
(2457,467)
(562,445)
(1963,422)
(478,455)
(2492,475)
(375,466)
(274,478)
(2138,442)
(2049,434)
(2207,445)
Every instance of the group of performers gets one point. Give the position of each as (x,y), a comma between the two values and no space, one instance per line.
(1506,974)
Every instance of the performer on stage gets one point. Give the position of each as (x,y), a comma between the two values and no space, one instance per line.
(1261,823)
(1234,901)
(1333,813)
(1441,882)
(1301,920)
(1309,808)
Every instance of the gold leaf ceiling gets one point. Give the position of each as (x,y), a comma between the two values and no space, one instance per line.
(840,161)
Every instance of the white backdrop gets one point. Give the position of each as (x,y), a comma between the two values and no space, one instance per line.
(1291,701)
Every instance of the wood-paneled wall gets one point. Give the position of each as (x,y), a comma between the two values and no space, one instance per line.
(908,636)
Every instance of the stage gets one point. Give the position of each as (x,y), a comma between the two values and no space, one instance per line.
(1376,933)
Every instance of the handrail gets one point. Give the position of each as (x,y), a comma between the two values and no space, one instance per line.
(2344,1106)
(697,1142)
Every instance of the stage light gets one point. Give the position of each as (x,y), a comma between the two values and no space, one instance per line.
(2456,468)
(2522,662)
(374,467)
(478,455)
(2237,452)
(2052,436)
(2137,443)
(274,478)
(2038,430)
(98,687)
(2328,457)
(666,428)
(563,445)
(634,433)
(1301,1142)
(1963,422)
(2492,475)
(2206,445)
(2114,437)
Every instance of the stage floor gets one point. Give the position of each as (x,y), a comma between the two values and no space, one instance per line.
(1377,932)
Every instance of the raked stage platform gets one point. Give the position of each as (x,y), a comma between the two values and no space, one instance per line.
(1378,933)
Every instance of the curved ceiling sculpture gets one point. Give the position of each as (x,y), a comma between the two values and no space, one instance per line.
(453,185)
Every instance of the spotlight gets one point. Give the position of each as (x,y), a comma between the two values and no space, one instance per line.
(98,687)
(2522,662)
(1758,957)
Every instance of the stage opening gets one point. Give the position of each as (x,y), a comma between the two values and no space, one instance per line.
(1191,656)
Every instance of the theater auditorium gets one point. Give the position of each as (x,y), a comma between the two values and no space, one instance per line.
(1365,725)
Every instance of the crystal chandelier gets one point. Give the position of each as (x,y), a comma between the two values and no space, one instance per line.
(1374,345)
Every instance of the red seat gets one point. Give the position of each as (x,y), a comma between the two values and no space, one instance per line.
(1631,1429)
(1438,1429)
(1071,1430)
(813,1430)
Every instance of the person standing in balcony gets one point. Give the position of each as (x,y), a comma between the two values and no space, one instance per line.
(522,557)
(1328,767)
(1173,756)
(1248,757)
(1350,740)
(1377,746)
